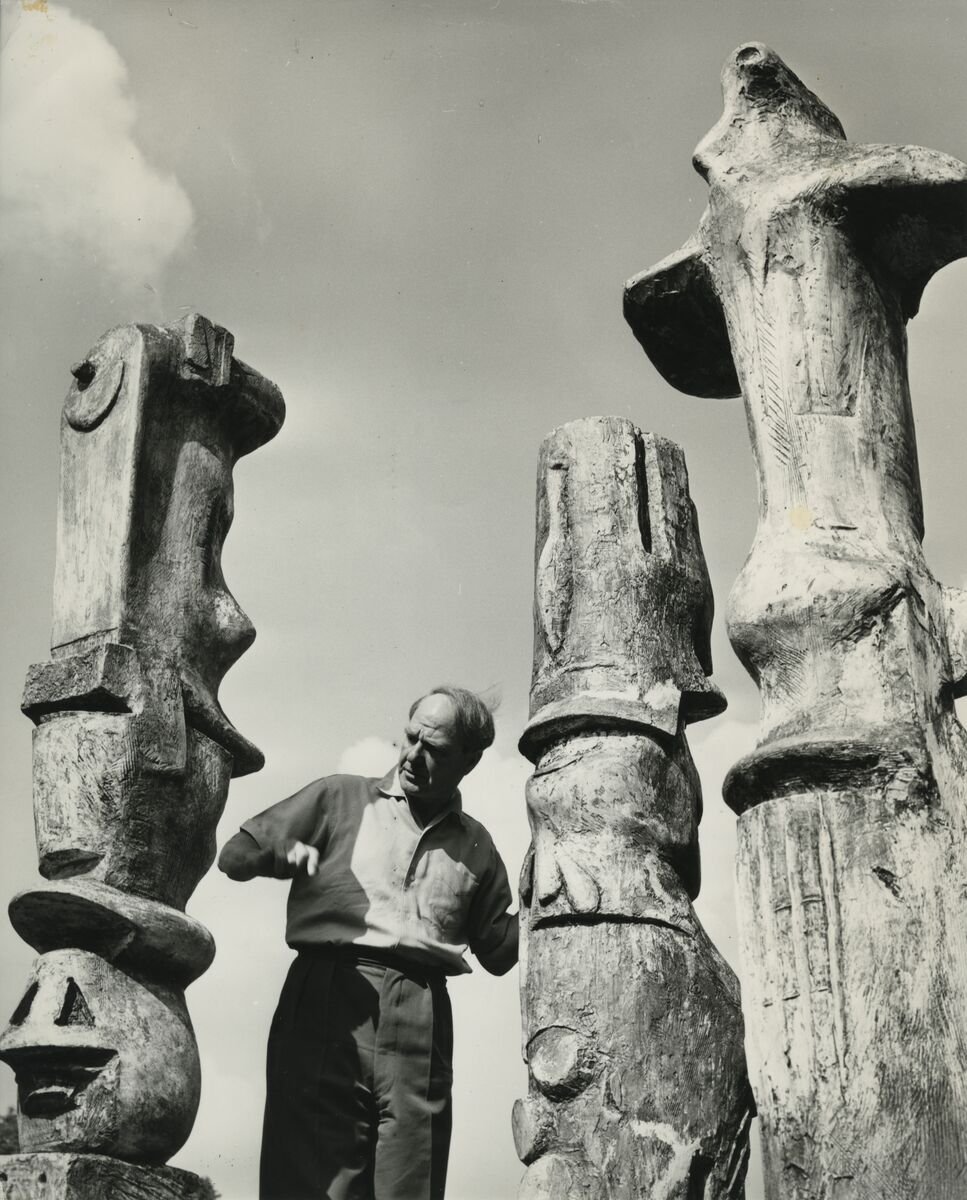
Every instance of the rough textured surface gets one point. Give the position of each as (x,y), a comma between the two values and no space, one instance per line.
(104,1063)
(631,1020)
(811,256)
(102,811)
(617,532)
(132,755)
(93,1177)
(153,424)
(135,934)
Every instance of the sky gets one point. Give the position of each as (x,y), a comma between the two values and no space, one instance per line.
(417,219)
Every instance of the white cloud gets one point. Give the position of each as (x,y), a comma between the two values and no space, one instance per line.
(368,756)
(73,178)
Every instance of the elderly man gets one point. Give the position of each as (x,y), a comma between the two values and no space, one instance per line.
(391,883)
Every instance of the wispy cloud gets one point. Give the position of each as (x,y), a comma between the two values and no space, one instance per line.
(74,180)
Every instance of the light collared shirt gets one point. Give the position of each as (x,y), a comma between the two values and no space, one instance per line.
(428,893)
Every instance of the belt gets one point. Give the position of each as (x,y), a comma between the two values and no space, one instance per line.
(375,956)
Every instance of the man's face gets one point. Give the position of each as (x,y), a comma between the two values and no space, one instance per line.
(432,759)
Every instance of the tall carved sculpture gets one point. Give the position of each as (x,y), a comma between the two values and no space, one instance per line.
(631,1019)
(808,262)
(132,758)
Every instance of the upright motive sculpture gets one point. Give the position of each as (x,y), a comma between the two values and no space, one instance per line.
(632,1024)
(132,758)
(810,258)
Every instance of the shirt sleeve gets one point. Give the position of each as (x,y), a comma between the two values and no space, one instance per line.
(493,930)
(242,858)
(299,818)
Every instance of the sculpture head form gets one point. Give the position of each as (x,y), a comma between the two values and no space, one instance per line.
(795,290)
(133,753)
(764,101)
(153,424)
(103,1063)
(775,151)
(617,537)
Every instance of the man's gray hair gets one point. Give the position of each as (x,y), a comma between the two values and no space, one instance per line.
(473,720)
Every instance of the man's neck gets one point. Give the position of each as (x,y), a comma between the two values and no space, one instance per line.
(425,812)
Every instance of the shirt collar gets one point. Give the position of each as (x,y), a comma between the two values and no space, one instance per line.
(390,786)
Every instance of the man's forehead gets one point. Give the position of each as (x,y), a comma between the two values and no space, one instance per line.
(434,714)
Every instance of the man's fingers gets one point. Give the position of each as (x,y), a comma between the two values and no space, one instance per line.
(301,855)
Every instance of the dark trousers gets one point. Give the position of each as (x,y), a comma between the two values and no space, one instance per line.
(359,1080)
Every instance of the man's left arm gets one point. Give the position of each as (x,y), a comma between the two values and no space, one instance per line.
(492,933)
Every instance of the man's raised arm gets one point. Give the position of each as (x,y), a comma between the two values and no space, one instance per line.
(280,842)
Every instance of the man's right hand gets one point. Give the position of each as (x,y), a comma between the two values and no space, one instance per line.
(302,858)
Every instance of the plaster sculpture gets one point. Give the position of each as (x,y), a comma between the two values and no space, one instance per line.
(631,1019)
(795,291)
(132,758)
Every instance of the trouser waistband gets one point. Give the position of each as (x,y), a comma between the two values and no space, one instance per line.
(375,956)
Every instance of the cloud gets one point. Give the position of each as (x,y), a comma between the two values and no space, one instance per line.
(73,179)
(368,756)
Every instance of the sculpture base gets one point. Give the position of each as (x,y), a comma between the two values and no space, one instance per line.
(93,1177)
